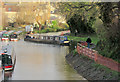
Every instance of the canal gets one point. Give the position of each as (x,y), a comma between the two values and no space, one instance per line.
(40,62)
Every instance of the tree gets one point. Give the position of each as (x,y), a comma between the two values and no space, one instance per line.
(109,45)
(5,20)
(87,13)
(33,12)
(78,15)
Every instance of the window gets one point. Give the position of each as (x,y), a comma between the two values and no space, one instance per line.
(13,36)
(61,38)
(9,9)
(6,59)
(5,36)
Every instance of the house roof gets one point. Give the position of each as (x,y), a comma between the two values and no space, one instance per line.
(10,3)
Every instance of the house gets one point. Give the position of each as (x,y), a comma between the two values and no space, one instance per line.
(11,7)
(10,11)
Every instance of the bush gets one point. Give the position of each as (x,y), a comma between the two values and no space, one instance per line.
(49,29)
(36,31)
(43,31)
(55,23)
(54,28)
(75,52)
(1,28)
(64,25)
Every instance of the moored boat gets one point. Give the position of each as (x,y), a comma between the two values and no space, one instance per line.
(60,40)
(8,57)
(15,36)
(6,36)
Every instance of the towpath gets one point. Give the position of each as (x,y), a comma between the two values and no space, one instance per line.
(56,33)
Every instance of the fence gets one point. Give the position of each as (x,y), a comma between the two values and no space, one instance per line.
(92,54)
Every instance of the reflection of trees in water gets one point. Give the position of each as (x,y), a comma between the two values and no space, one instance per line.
(8,75)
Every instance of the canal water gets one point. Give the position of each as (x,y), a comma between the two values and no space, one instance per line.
(40,62)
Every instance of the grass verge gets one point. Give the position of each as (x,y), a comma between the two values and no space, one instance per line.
(94,38)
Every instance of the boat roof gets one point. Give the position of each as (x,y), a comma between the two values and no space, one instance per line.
(1,32)
(8,48)
(10,32)
(18,32)
(63,36)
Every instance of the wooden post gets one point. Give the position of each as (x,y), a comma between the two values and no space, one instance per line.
(95,56)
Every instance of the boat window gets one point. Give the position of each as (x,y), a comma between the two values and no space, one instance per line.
(62,38)
(0,57)
(6,36)
(48,37)
(6,59)
(65,38)
(51,38)
(13,36)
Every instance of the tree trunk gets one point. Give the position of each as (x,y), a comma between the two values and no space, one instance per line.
(40,26)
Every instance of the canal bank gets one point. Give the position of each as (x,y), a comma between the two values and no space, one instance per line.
(89,69)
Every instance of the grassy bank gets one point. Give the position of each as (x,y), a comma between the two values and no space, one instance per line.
(46,30)
(55,26)
(94,38)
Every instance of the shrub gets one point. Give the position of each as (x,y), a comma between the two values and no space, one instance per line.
(36,31)
(75,52)
(64,25)
(49,29)
(55,23)
(43,31)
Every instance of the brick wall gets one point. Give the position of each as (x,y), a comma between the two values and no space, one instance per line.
(92,54)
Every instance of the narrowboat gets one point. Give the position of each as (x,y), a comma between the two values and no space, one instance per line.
(63,40)
(1,33)
(60,40)
(8,57)
(6,36)
(15,36)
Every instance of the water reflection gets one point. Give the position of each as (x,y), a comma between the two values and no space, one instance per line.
(41,62)
(8,75)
